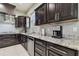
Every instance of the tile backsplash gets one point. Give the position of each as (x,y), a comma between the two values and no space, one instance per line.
(70,29)
(9,28)
(34,29)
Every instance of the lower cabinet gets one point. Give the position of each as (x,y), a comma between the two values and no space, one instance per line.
(23,41)
(40,48)
(51,53)
(36,47)
(43,48)
(57,50)
(18,37)
(8,40)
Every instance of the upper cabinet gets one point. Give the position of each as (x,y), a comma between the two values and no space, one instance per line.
(50,12)
(66,11)
(40,13)
(55,12)
(20,21)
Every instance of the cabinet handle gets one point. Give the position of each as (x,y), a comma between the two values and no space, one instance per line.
(56,16)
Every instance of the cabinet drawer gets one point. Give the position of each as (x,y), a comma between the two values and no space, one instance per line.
(36,54)
(52,53)
(7,36)
(58,51)
(39,47)
(40,42)
(64,51)
(8,42)
(40,52)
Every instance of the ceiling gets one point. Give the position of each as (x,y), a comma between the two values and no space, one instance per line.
(23,7)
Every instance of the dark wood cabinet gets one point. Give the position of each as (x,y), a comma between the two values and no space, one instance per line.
(18,37)
(51,12)
(23,22)
(55,12)
(43,48)
(40,48)
(20,21)
(40,13)
(57,50)
(8,40)
(24,41)
(67,11)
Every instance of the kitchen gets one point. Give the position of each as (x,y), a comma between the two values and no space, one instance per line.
(40,29)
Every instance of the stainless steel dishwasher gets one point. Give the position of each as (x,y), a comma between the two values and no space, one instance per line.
(30,45)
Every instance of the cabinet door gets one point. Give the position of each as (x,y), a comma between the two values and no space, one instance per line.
(20,21)
(39,49)
(52,53)
(25,44)
(8,40)
(18,37)
(37,54)
(50,12)
(67,11)
(22,39)
(41,14)
(37,21)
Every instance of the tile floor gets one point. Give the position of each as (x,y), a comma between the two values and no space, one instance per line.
(16,50)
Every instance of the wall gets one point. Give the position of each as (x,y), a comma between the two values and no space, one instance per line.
(5,28)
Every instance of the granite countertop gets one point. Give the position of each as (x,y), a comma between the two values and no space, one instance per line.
(70,43)
(9,33)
